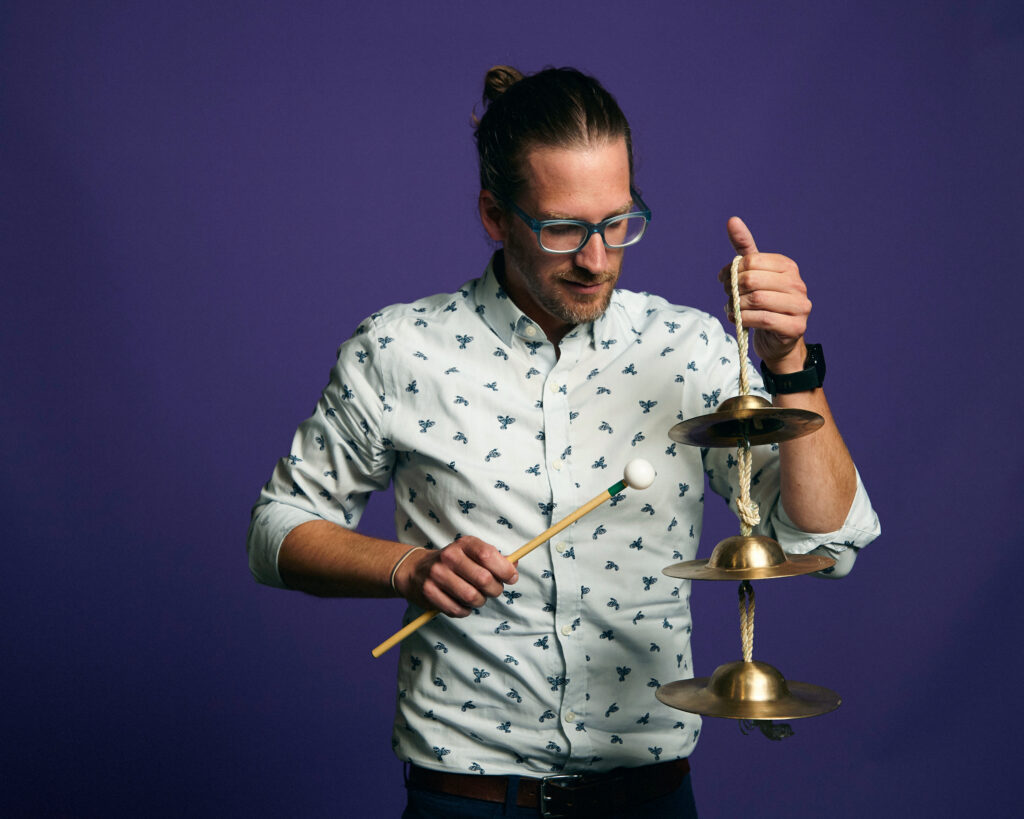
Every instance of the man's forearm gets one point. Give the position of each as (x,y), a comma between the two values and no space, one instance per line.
(328,560)
(322,558)
(818,478)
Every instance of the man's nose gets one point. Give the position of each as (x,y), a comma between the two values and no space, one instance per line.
(593,255)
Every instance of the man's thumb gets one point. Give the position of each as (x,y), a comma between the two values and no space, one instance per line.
(740,236)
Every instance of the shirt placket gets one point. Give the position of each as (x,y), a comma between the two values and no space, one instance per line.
(570,629)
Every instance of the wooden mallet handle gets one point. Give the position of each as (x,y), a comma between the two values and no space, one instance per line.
(638,475)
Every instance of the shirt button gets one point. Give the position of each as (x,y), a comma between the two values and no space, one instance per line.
(557,465)
(560,546)
(555,387)
(567,630)
(530,330)
(570,716)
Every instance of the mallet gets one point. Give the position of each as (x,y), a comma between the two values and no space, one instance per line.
(638,474)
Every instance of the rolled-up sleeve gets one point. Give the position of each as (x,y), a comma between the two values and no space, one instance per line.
(860,527)
(338,456)
(858,530)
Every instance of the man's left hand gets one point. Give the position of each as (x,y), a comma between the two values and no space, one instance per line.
(773,301)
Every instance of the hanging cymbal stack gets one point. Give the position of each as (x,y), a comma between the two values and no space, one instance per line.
(747,689)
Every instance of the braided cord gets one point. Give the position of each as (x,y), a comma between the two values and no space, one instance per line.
(741,333)
(749,513)
(747,620)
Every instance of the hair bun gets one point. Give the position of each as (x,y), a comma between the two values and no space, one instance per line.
(498,80)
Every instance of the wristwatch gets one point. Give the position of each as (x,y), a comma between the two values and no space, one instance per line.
(809,378)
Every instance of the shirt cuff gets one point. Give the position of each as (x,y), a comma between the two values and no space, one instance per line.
(270,524)
(858,530)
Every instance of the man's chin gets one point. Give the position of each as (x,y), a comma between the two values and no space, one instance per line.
(584,308)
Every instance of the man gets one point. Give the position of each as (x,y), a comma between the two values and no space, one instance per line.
(500,408)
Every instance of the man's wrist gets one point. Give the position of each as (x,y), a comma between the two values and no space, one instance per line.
(791,362)
(789,375)
(404,559)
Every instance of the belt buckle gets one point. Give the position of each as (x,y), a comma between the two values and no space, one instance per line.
(558,782)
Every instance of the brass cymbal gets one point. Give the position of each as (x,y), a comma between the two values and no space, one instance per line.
(746,418)
(748,690)
(748,557)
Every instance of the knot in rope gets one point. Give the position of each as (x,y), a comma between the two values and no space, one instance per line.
(750,514)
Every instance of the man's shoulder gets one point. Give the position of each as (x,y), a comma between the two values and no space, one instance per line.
(425,311)
(645,310)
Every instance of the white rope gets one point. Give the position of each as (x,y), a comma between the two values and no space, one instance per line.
(748,510)
(747,620)
(741,335)
(750,514)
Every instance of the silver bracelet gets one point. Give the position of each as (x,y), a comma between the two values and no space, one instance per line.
(401,560)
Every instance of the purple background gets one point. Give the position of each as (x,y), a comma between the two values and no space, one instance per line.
(199,201)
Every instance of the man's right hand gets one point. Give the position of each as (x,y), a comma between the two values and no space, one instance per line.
(456,579)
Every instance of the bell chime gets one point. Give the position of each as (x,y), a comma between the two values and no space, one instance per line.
(747,689)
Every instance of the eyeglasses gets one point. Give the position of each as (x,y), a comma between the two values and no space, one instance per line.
(570,235)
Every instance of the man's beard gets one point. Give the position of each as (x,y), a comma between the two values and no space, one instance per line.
(581,309)
(578,310)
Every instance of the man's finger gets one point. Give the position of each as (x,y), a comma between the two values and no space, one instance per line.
(438,598)
(788,304)
(741,237)
(491,559)
(465,572)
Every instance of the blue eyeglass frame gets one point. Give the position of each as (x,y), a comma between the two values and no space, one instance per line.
(538,225)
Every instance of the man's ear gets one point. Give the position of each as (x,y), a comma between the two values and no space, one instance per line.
(493,216)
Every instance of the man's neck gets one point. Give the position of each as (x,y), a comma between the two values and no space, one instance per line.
(552,328)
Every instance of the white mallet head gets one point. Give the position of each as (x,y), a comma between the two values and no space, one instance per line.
(638,474)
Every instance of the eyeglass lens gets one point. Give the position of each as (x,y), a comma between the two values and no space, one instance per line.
(568,237)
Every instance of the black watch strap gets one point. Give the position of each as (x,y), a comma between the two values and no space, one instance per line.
(809,378)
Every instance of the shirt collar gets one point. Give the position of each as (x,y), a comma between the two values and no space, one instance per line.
(508,322)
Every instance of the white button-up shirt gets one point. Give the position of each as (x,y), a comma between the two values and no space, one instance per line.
(460,401)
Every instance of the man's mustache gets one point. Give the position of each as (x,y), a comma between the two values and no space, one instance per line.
(586,277)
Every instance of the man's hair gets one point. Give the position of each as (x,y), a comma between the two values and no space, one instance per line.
(556,107)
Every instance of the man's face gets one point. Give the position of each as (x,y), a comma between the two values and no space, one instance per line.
(591,183)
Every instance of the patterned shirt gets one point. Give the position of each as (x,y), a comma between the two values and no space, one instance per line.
(460,400)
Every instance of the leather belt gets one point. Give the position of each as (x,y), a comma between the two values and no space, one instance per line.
(563,795)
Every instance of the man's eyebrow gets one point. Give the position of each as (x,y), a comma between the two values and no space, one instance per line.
(546,215)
